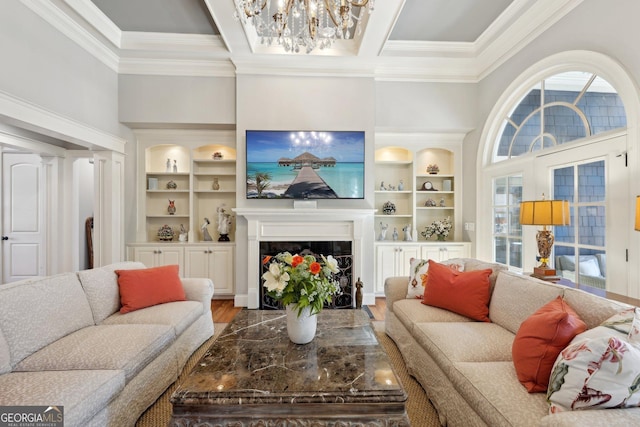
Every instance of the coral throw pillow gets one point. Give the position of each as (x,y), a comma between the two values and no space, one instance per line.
(539,341)
(149,286)
(465,293)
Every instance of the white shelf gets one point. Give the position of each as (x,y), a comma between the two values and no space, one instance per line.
(393,192)
(214,191)
(167,191)
(167,216)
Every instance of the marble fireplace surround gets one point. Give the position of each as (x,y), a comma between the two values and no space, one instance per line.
(303,224)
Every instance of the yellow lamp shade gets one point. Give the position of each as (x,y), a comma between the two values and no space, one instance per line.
(545,212)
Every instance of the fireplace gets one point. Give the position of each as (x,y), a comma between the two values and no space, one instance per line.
(286,226)
(341,251)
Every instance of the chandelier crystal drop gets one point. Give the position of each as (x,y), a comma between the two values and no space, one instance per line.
(302,24)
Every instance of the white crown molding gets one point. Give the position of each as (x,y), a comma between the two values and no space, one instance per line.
(526,28)
(422,49)
(177,67)
(22,112)
(313,66)
(94,16)
(23,143)
(70,28)
(430,69)
(146,41)
(384,136)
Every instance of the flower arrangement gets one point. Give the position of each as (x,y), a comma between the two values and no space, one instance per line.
(301,280)
(440,228)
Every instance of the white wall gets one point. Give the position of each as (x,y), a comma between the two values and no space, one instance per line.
(426,106)
(42,66)
(151,100)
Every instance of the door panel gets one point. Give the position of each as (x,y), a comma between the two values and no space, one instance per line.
(23,234)
(591,178)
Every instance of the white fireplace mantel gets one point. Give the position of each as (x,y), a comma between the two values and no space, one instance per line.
(292,225)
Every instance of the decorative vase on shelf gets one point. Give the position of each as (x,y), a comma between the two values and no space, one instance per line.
(440,237)
(215,185)
(301,329)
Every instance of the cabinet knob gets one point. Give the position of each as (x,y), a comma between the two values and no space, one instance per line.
(210,251)
(5,237)
(159,252)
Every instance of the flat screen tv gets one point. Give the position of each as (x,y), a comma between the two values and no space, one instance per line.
(305,165)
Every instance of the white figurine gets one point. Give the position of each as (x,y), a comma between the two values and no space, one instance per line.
(442,202)
(205,233)
(395,234)
(382,187)
(224,224)
(183,237)
(407,233)
(401,185)
(383,231)
(392,188)
(168,165)
(175,166)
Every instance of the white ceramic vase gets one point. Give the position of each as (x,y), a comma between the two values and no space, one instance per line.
(301,329)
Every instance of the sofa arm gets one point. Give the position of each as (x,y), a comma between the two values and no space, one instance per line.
(395,288)
(593,418)
(197,289)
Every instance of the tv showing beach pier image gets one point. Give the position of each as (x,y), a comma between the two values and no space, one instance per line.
(305,165)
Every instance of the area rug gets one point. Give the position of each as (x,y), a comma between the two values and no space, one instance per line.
(420,411)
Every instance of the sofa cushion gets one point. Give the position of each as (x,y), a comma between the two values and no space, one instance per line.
(150,286)
(5,355)
(592,309)
(126,347)
(493,391)
(82,393)
(516,297)
(412,311)
(464,342)
(57,306)
(472,264)
(596,373)
(540,340)
(179,315)
(101,287)
(465,293)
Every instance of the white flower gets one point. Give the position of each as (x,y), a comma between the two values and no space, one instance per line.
(331,263)
(274,279)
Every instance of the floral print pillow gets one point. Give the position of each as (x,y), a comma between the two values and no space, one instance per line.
(596,373)
(418,275)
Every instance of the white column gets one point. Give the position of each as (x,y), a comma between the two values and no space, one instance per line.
(108,225)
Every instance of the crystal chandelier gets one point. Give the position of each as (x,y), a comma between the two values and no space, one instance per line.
(305,24)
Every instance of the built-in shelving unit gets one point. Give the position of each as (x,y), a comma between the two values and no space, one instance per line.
(196,170)
(420,197)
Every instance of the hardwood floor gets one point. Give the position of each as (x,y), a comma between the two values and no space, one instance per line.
(223,311)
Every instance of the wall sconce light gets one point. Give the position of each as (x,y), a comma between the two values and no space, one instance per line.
(545,213)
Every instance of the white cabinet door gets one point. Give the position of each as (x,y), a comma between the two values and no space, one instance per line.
(154,256)
(196,262)
(385,265)
(393,261)
(222,269)
(215,263)
(444,251)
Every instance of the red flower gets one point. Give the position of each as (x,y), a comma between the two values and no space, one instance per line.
(297,260)
(315,268)
(266,259)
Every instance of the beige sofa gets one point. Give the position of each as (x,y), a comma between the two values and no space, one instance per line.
(63,342)
(466,367)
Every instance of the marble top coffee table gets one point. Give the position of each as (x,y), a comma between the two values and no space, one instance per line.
(254,376)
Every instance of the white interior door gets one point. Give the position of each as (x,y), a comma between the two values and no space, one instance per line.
(23,249)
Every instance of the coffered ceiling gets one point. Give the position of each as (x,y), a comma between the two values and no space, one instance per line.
(437,40)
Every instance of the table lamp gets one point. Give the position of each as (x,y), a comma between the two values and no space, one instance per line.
(545,213)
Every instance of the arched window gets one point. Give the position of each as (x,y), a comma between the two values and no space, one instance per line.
(560,109)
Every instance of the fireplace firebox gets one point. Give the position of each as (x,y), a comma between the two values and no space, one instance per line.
(340,250)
